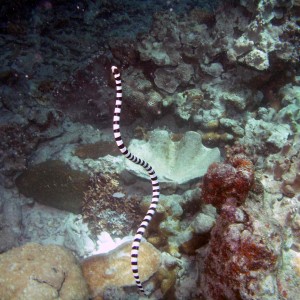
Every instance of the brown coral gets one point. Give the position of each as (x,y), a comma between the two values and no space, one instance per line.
(102,210)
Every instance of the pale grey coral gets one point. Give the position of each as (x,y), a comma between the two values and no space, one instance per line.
(174,161)
(213,69)
(257,59)
(186,103)
(233,125)
(291,112)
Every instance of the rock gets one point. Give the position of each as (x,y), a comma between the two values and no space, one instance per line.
(114,268)
(203,223)
(10,220)
(41,272)
(174,161)
(168,79)
(186,103)
(55,184)
(256,59)
(242,255)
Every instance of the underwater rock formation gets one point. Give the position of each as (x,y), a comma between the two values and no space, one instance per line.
(113,269)
(17,143)
(140,97)
(174,161)
(55,184)
(34,271)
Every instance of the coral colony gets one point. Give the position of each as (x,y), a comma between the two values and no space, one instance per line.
(210,99)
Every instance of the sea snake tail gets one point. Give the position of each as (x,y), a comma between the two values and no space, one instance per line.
(146,166)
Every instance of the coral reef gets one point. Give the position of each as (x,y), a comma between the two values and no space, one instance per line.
(284,168)
(113,269)
(55,184)
(186,103)
(140,99)
(41,272)
(10,222)
(227,71)
(169,158)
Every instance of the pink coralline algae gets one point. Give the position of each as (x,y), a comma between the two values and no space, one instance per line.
(228,181)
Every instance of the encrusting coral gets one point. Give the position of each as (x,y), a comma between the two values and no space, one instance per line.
(242,255)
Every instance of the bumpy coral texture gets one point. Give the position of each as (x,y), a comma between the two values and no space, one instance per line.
(229,181)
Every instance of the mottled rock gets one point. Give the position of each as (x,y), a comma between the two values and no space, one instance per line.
(269,137)
(41,272)
(114,268)
(186,103)
(162,45)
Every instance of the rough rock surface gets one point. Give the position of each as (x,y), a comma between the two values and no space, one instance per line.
(173,161)
(114,269)
(41,272)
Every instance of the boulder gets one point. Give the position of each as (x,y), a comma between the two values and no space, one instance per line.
(113,269)
(41,272)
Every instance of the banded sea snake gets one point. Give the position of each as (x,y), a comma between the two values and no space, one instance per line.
(155,184)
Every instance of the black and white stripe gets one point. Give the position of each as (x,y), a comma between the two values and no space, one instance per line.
(146,166)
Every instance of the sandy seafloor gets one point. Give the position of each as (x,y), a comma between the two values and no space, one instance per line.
(204,82)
